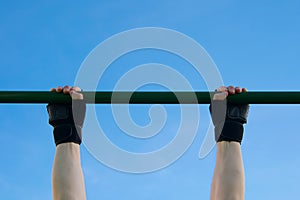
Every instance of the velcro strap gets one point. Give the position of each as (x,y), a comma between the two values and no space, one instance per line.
(67,133)
(232,131)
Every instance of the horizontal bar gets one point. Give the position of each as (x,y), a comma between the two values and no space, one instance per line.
(282,97)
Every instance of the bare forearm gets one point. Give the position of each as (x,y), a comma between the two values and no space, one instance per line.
(67,181)
(228,181)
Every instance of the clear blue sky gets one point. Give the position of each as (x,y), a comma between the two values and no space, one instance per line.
(255,44)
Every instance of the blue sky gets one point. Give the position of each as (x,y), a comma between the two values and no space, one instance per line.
(255,44)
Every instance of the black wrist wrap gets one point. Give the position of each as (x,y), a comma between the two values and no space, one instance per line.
(229,119)
(67,123)
(232,131)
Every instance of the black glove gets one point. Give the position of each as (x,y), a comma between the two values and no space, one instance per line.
(228,120)
(67,123)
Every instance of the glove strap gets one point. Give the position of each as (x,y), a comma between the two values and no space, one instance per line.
(231,131)
(67,133)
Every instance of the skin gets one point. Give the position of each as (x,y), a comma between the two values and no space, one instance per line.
(67,176)
(229,179)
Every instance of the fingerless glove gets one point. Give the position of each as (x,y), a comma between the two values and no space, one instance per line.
(228,119)
(67,122)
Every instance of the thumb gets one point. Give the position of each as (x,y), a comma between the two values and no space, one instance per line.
(75,95)
(220,96)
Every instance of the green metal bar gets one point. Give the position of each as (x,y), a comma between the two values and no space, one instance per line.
(282,97)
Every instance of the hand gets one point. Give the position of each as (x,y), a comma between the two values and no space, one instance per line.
(67,119)
(228,118)
(73,91)
(225,91)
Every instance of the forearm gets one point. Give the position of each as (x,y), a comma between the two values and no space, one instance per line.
(228,180)
(229,119)
(67,179)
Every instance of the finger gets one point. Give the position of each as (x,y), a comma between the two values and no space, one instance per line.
(66,89)
(231,90)
(59,89)
(76,88)
(222,89)
(220,96)
(52,90)
(75,95)
(238,90)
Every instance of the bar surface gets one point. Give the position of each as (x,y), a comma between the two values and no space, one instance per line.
(261,97)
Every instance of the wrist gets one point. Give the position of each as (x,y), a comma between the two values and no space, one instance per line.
(67,133)
(231,131)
